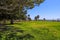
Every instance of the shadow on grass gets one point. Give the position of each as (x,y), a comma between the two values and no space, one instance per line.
(11,33)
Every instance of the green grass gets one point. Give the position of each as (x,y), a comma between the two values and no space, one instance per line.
(31,30)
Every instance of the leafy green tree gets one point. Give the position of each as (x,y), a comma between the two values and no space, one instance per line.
(37,17)
(12,9)
(44,19)
(29,18)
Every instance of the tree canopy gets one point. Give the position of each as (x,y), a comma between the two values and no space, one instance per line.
(16,8)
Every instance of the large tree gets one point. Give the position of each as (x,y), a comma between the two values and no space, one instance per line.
(11,9)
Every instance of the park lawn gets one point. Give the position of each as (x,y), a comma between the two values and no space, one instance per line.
(33,30)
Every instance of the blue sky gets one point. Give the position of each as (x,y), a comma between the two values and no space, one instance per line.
(49,9)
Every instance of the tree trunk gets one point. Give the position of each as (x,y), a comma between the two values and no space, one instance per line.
(12,22)
(4,21)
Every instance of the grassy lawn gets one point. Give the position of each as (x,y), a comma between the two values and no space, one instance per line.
(31,30)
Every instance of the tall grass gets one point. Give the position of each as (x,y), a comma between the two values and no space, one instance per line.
(31,30)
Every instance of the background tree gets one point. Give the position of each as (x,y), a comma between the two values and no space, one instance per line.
(44,19)
(29,18)
(37,17)
(12,9)
(58,20)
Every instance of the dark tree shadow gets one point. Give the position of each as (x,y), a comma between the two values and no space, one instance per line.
(27,36)
(11,32)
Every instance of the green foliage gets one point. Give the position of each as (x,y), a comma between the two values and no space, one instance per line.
(37,17)
(28,18)
(16,8)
